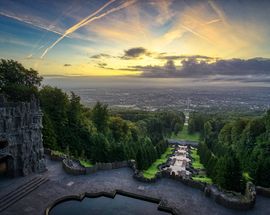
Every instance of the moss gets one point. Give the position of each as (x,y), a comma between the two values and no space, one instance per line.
(247,177)
(58,153)
(153,169)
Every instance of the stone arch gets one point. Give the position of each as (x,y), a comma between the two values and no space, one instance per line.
(3,144)
(6,166)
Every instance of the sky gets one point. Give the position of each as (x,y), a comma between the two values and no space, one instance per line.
(215,40)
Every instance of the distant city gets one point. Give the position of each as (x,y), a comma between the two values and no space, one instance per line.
(203,99)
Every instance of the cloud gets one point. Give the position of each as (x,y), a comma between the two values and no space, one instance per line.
(255,69)
(102,65)
(101,55)
(164,56)
(134,53)
(67,65)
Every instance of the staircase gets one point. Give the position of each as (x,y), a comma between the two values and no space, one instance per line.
(12,197)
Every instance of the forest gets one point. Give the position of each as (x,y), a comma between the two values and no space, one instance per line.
(95,134)
(234,150)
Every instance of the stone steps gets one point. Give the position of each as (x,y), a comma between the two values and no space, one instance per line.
(20,192)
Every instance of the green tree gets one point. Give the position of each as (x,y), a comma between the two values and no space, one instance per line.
(54,104)
(17,82)
(100,116)
(49,135)
(228,173)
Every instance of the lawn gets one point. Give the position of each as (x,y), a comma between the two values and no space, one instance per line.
(196,163)
(184,135)
(202,178)
(85,163)
(153,169)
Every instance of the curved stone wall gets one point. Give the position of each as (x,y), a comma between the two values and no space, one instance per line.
(72,167)
(80,170)
(263,191)
(162,205)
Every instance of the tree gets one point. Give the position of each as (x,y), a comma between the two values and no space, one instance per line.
(54,104)
(74,111)
(228,173)
(155,129)
(100,116)
(100,148)
(49,135)
(119,128)
(17,82)
(262,176)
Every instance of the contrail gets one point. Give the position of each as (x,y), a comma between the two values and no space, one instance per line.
(218,11)
(88,20)
(196,33)
(76,26)
(32,24)
(213,21)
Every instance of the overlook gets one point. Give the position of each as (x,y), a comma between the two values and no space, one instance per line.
(134,107)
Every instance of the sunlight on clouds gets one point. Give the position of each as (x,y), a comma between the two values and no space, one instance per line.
(159,26)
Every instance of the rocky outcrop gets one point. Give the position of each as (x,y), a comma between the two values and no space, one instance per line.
(21,137)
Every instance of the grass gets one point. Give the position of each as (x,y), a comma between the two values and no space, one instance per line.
(85,163)
(196,164)
(202,178)
(196,160)
(184,135)
(153,169)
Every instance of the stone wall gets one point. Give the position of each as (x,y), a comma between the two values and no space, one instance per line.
(231,199)
(73,167)
(226,198)
(191,183)
(21,129)
(161,204)
(263,191)
(107,166)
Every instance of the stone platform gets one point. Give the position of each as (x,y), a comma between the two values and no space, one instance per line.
(185,199)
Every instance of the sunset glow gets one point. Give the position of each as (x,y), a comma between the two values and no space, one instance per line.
(117,37)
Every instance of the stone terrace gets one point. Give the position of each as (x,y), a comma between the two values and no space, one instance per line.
(187,200)
(179,162)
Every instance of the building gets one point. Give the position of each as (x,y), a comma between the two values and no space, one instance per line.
(21,148)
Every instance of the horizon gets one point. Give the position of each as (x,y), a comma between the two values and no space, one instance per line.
(202,41)
(161,105)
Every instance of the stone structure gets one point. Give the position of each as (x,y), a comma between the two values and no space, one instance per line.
(21,148)
(180,162)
